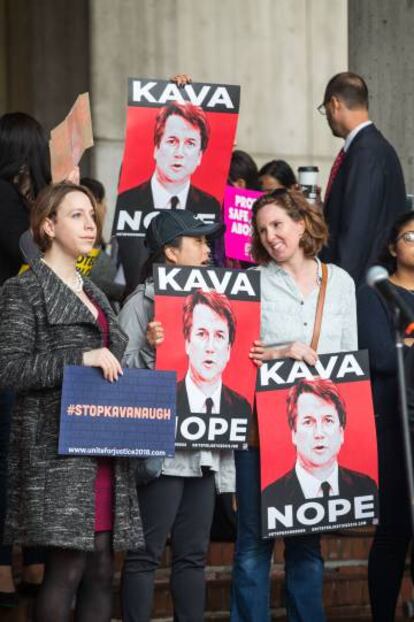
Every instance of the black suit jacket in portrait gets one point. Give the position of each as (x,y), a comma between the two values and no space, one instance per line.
(132,251)
(232,404)
(288,489)
(367,195)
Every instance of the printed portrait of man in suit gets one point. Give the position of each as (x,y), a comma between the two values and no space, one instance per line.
(209,327)
(181,136)
(317,419)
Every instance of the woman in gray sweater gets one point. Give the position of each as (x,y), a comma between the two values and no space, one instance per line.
(81,508)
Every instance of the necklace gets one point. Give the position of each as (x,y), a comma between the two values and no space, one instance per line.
(75,282)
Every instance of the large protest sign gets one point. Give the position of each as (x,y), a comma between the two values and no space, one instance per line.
(237,207)
(132,417)
(177,154)
(70,139)
(210,317)
(317,445)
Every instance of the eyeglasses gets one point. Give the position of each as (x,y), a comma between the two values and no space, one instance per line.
(322,109)
(407,236)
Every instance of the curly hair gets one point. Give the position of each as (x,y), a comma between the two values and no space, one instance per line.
(298,209)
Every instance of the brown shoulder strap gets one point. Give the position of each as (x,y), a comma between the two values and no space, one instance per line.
(319,308)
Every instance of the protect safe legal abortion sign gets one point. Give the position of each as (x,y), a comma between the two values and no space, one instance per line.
(238,204)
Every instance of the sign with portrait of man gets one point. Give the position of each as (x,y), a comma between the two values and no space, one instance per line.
(210,317)
(178,146)
(318,446)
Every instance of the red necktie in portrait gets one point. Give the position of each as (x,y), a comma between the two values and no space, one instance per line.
(334,171)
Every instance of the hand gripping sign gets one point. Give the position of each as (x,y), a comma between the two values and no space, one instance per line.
(317,445)
(210,317)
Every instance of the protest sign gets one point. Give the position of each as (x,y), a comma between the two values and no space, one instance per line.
(177,154)
(210,317)
(132,417)
(317,445)
(237,207)
(70,139)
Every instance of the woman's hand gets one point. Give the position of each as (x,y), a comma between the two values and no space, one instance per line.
(103,358)
(155,333)
(298,351)
(258,353)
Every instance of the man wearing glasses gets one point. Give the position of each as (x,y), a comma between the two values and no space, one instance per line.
(366,190)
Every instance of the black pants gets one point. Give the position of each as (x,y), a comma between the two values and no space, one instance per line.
(181,507)
(393,534)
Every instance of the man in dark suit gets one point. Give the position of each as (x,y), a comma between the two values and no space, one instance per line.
(317,419)
(181,136)
(366,188)
(209,327)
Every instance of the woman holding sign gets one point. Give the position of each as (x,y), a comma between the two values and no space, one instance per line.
(180,502)
(81,508)
(393,535)
(307,308)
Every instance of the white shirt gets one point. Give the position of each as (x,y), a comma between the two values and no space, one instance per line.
(197,399)
(351,135)
(287,316)
(312,486)
(162,198)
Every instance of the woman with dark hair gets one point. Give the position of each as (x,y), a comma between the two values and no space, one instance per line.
(288,233)
(375,327)
(80,508)
(24,171)
(276,174)
(243,171)
(180,502)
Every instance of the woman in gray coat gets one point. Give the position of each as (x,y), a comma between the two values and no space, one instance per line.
(82,507)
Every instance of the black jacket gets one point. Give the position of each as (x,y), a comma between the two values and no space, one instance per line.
(232,404)
(15,220)
(367,195)
(287,489)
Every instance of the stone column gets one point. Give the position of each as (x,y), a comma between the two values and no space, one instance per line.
(381,48)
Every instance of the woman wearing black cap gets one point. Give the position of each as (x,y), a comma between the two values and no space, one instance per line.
(180,502)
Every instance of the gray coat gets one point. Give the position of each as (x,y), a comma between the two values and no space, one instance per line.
(51,498)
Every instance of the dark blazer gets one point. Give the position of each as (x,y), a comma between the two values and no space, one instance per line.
(287,488)
(15,220)
(367,195)
(132,251)
(51,501)
(231,403)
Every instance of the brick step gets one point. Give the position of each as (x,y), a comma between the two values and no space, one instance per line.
(345,588)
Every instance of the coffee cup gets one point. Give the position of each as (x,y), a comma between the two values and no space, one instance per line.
(308,181)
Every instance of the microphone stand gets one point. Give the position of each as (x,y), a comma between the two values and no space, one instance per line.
(408,606)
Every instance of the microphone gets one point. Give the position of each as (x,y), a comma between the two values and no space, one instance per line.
(377,278)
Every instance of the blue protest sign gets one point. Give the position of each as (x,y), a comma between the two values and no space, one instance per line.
(132,417)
